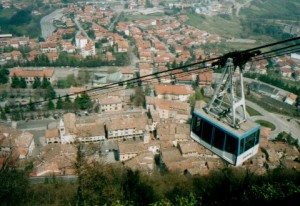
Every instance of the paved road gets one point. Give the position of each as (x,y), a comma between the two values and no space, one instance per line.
(281,122)
(81,29)
(46,22)
(115,20)
(34,124)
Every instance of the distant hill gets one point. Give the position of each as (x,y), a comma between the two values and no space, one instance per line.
(273,9)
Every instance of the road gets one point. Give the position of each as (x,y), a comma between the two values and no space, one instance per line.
(119,12)
(282,123)
(46,22)
(34,124)
(238,6)
(81,29)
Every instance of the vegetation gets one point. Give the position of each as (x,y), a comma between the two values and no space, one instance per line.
(102,184)
(266,124)
(215,24)
(252,112)
(274,81)
(287,138)
(84,101)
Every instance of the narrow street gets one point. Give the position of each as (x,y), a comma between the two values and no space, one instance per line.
(281,123)
(82,30)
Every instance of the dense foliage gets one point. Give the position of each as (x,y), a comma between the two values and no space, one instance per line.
(102,184)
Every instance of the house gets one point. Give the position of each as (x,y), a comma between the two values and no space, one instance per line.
(142,162)
(286,71)
(30,75)
(128,150)
(80,41)
(52,136)
(71,130)
(56,159)
(189,148)
(127,73)
(16,55)
(16,143)
(123,46)
(297,75)
(48,47)
(173,92)
(52,57)
(167,109)
(32,54)
(205,77)
(88,50)
(125,127)
(109,104)
(290,99)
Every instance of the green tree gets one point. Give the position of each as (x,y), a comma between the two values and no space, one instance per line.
(37,83)
(67,98)
(84,101)
(4,73)
(14,186)
(45,83)
(59,103)
(50,105)
(91,34)
(6,108)
(51,92)
(15,82)
(23,83)
(31,105)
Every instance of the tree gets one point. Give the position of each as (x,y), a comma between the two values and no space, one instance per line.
(15,82)
(174,64)
(36,83)
(14,186)
(67,98)
(4,73)
(84,101)
(59,103)
(91,34)
(139,97)
(51,92)
(23,83)
(31,105)
(50,105)
(45,83)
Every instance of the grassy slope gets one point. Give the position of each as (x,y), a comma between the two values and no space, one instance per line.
(288,9)
(258,9)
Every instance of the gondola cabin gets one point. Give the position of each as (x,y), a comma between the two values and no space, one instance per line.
(233,145)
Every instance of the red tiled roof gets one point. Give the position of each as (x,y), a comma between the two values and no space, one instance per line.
(31,73)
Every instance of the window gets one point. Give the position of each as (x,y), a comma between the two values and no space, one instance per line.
(231,145)
(197,126)
(242,145)
(207,132)
(250,141)
(219,138)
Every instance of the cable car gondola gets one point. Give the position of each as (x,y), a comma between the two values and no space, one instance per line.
(222,126)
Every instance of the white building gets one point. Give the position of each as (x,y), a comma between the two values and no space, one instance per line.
(174,92)
(81,41)
(110,104)
(126,127)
